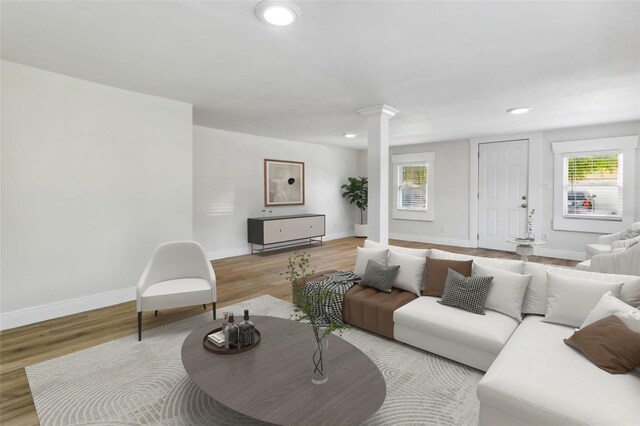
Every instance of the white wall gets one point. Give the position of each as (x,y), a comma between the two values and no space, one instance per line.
(451,197)
(228,185)
(93,178)
(228,179)
(452,191)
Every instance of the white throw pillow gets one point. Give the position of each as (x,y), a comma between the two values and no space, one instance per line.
(507,291)
(607,305)
(630,292)
(569,300)
(631,320)
(411,271)
(395,249)
(364,254)
(535,298)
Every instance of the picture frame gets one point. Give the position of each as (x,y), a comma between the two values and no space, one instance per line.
(283,182)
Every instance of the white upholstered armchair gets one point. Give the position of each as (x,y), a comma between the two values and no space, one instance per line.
(178,274)
(606,243)
(624,262)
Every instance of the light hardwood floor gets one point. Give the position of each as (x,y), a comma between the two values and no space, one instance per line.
(238,278)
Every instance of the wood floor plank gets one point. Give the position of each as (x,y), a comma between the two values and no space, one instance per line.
(238,278)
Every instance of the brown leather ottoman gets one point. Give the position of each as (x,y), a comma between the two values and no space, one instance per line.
(372,310)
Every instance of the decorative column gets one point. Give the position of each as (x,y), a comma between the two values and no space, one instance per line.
(378,170)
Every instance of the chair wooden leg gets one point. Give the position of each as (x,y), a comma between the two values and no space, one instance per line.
(156,313)
(139,326)
(204,306)
(213,308)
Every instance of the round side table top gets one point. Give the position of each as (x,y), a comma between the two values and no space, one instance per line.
(526,242)
(272,382)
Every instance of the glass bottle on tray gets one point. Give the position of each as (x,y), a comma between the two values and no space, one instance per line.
(231,334)
(247,331)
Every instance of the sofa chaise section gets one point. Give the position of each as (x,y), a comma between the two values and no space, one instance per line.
(372,310)
(537,379)
(474,340)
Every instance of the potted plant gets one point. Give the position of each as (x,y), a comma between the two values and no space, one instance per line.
(310,309)
(357,193)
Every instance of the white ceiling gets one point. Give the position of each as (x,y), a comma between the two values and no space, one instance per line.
(451,68)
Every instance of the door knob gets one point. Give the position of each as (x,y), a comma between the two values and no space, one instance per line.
(524,205)
(524,197)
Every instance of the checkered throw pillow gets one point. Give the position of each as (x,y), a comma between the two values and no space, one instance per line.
(468,293)
(378,276)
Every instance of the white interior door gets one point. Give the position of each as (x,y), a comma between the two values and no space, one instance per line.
(502,197)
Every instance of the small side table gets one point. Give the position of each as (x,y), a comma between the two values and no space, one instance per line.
(525,247)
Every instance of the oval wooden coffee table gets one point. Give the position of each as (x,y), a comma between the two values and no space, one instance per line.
(272,382)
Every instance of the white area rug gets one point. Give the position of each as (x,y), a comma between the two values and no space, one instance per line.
(126,382)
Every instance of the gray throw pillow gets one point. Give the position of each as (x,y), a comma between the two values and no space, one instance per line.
(378,276)
(468,293)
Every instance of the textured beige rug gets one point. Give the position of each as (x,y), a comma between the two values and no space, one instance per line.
(126,382)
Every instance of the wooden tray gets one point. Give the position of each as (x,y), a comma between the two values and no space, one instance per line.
(221,350)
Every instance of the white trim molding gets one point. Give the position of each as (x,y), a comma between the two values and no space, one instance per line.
(431,240)
(49,311)
(534,179)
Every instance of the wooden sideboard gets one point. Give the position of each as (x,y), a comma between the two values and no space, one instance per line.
(273,232)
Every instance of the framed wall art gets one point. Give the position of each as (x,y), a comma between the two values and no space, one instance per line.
(283,183)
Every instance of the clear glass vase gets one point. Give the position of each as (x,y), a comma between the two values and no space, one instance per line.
(320,346)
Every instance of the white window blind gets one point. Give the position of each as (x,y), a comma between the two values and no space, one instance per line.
(593,185)
(413,180)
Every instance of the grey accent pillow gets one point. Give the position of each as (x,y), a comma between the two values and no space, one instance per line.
(468,293)
(379,276)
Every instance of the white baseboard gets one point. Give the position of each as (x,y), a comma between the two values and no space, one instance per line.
(240,251)
(431,240)
(560,254)
(49,311)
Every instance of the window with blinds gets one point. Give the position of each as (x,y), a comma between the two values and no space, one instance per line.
(413,180)
(593,185)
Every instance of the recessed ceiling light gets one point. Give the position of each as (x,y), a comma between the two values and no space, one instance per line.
(519,110)
(349,135)
(277,12)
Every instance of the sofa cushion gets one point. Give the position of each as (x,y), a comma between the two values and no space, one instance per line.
(569,300)
(380,276)
(372,310)
(411,273)
(468,293)
(436,274)
(397,249)
(609,345)
(179,292)
(630,292)
(608,305)
(507,290)
(364,254)
(539,379)
(585,265)
(535,298)
(487,332)
(593,249)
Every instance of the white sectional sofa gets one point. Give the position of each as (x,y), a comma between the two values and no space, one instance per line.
(532,377)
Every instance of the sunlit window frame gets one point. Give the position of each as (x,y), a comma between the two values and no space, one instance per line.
(597,224)
(422,158)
